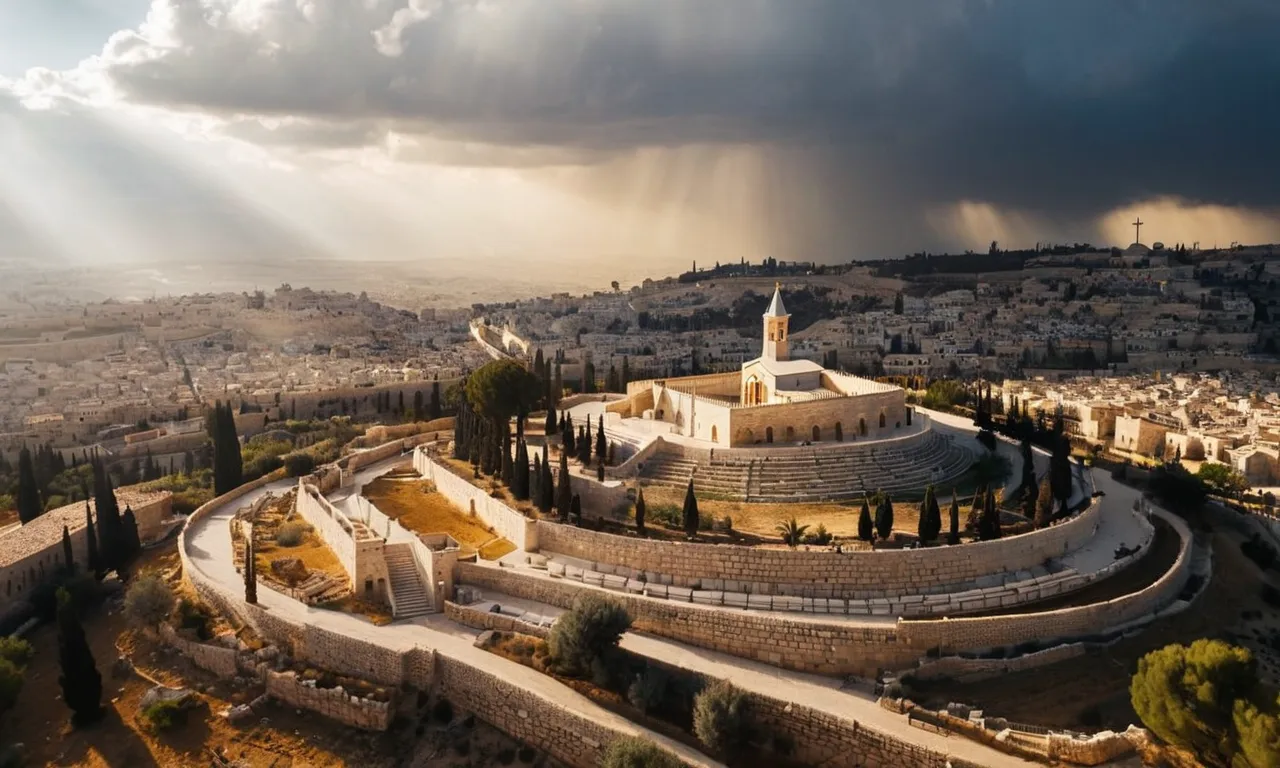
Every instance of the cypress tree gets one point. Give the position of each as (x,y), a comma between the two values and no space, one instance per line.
(690,512)
(435,410)
(884,517)
(568,443)
(601,444)
(548,487)
(508,463)
(586,443)
(535,481)
(68,557)
(989,523)
(81,684)
(922,523)
(640,511)
(575,510)
(866,529)
(954,536)
(1060,471)
(1028,466)
(93,557)
(564,493)
(520,472)
(110,528)
(129,531)
(550,427)
(600,470)
(250,573)
(29,506)
(557,386)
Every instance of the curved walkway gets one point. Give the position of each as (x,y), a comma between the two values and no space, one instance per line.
(208,543)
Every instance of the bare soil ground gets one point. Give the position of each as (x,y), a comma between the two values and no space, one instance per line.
(840,519)
(419,507)
(284,738)
(1092,691)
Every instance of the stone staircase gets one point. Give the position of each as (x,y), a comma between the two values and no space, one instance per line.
(817,473)
(409,595)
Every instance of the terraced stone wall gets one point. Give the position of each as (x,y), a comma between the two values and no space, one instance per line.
(849,575)
(986,632)
(832,648)
(509,523)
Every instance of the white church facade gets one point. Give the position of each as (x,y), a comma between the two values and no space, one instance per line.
(773,399)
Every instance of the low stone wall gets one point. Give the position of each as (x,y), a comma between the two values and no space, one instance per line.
(470,617)
(334,703)
(820,738)
(971,670)
(509,523)
(330,525)
(991,631)
(849,575)
(217,659)
(574,740)
(1097,749)
(832,648)
(369,456)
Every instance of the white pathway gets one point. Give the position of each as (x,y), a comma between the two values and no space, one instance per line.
(208,543)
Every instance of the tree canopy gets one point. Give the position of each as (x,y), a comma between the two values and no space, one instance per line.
(503,388)
(1206,698)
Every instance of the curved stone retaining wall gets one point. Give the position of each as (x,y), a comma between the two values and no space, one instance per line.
(849,576)
(827,647)
(991,631)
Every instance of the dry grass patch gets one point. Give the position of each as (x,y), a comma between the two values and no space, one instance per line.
(420,508)
(375,613)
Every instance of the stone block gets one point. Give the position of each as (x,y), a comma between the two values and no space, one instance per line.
(594,578)
(573,572)
(787,603)
(555,569)
(736,599)
(656,590)
(760,602)
(708,597)
(603,567)
(615,582)
(635,586)
(683,594)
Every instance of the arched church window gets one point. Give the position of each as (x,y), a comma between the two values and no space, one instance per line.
(862,427)
(768,434)
(715,434)
(882,421)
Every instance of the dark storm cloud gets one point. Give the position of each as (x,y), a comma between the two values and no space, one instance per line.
(1069,107)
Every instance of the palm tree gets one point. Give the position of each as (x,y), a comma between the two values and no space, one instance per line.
(791,531)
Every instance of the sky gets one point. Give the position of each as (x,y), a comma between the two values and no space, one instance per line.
(587,140)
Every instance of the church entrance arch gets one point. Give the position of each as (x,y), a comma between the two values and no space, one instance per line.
(768,434)
(882,421)
(715,434)
(839,433)
(862,427)
(817,433)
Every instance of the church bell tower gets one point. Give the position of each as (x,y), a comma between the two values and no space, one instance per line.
(776,321)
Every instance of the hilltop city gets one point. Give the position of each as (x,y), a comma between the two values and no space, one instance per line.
(757,513)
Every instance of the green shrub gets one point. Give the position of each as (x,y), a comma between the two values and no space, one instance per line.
(821,537)
(196,617)
(720,717)
(15,650)
(291,534)
(648,689)
(10,683)
(165,714)
(666,515)
(635,752)
(586,632)
(148,601)
(299,464)
(1206,698)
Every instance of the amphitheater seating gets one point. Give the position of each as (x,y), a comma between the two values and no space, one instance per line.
(825,472)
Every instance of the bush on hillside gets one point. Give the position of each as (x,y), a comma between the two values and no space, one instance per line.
(720,717)
(148,601)
(635,752)
(586,632)
(291,534)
